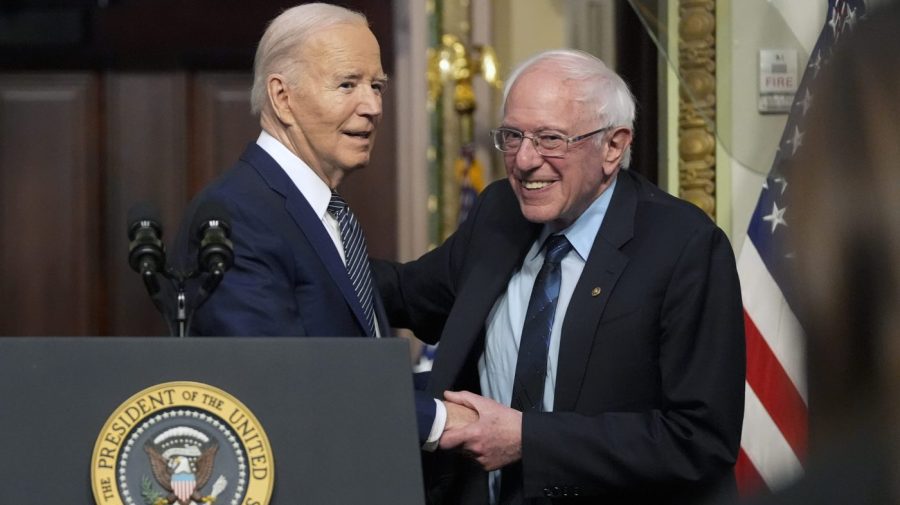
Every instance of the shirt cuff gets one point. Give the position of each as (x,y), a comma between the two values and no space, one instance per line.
(437,428)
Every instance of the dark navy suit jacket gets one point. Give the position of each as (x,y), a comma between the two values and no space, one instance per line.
(288,278)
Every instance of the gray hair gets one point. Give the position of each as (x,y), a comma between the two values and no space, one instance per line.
(601,86)
(287,32)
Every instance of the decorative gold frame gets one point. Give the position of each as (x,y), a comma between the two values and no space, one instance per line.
(697,103)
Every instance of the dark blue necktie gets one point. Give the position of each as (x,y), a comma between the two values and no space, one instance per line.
(356,255)
(531,366)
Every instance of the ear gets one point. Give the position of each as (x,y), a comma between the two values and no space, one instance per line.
(616,143)
(278,91)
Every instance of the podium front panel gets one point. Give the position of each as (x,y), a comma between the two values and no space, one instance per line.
(338,412)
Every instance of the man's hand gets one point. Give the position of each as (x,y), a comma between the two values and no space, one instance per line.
(458,416)
(494,440)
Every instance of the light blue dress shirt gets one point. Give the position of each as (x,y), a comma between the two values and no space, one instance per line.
(497,366)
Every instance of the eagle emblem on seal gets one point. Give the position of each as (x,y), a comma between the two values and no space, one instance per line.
(182,461)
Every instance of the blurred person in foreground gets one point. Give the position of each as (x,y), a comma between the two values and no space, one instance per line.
(300,262)
(845,231)
(592,320)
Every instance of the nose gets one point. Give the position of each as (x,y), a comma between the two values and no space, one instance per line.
(370,102)
(527,157)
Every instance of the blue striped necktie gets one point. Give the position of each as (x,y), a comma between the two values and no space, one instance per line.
(531,366)
(356,255)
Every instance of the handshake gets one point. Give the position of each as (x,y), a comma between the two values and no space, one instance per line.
(482,429)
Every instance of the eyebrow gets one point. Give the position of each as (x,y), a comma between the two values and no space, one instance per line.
(541,128)
(358,76)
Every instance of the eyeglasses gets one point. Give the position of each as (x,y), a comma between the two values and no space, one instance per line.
(545,143)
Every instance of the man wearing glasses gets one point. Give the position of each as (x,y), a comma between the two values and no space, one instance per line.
(592,320)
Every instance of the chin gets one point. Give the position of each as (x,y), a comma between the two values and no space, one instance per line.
(538,214)
(358,164)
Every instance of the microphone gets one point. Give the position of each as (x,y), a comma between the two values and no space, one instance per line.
(216,253)
(146,251)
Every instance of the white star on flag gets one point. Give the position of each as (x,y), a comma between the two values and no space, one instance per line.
(807,101)
(816,65)
(783,182)
(776,217)
(797,141)
(851,19)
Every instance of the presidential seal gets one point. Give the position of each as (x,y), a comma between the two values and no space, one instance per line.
(182,443)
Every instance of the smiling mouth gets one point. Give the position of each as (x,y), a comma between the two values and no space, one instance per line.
(535,185)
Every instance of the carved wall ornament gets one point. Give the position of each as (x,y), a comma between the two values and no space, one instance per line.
(697,103)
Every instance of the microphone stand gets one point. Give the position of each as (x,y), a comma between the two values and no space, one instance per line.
(181,313)
(151,283)
(179,283)
(184,309)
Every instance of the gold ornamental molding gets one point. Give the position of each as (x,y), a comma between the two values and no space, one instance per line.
(697,103)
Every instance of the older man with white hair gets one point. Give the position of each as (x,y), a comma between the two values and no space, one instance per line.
(592,320)
(301,267)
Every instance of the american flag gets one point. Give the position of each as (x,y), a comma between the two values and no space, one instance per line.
(773,444)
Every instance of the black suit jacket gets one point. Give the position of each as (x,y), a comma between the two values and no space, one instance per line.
(288,278)
(650,383)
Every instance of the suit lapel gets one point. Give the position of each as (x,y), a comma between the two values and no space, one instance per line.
(598,279)
(310,225)
(494,265)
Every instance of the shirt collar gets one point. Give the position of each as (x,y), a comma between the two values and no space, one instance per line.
(311,186)
(583,231)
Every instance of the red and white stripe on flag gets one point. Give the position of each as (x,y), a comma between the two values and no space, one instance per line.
(773,443)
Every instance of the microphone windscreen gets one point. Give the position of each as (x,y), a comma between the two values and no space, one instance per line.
(142,211)
(210,210)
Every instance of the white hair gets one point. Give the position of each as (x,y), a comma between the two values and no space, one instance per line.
(600,85)
(288,31)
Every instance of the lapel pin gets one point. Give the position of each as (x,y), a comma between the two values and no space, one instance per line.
(596,292)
